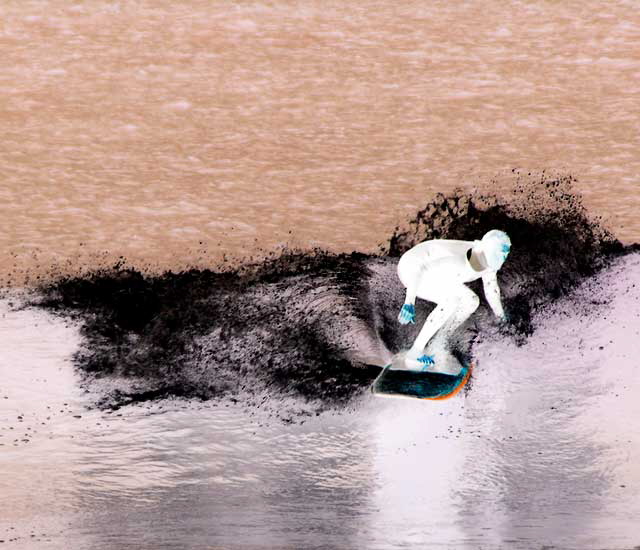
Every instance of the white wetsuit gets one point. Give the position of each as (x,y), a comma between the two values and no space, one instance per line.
(437,271)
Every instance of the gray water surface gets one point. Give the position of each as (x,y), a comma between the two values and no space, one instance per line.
(542,450)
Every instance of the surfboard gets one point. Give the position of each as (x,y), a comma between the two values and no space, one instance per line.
(392,382)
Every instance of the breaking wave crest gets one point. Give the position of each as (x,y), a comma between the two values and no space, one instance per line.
(312,328)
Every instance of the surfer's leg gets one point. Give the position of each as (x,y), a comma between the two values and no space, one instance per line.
(445,308)
(431,346)
(439,346)
(467,302)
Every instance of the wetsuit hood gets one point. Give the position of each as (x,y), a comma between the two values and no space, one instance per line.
(495,247)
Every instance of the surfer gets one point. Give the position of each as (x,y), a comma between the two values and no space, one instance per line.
(436,271)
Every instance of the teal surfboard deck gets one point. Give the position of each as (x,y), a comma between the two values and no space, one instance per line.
(420,385)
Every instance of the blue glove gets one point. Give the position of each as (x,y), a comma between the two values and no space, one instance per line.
(407,315)
(426,360)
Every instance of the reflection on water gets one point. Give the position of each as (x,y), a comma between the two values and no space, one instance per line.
(216,476)
(541,450)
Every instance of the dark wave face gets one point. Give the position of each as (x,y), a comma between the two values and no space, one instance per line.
(310,328)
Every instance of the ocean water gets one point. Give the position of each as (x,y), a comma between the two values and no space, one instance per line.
(540,451)
(202,206)
(176,133)
(231,408)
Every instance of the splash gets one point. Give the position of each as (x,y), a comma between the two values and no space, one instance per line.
(308,330)
(283,328)
(555,244)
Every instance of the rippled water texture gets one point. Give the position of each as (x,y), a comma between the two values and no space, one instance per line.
(225,404)
(542,450)
(175,132)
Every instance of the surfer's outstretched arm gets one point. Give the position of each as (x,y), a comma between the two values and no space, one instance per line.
(492,294)
(408,312)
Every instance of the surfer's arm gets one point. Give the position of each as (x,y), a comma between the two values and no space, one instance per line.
(408,312)
(442,271)
(412,288)
(492,294)
(413,283)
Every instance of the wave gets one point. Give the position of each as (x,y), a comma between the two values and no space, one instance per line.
(312,328)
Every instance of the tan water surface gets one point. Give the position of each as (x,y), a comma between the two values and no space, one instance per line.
(175,132)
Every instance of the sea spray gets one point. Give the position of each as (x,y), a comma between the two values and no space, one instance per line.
(309,330)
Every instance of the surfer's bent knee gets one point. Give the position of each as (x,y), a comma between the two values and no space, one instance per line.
(473,300)
(461,297)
